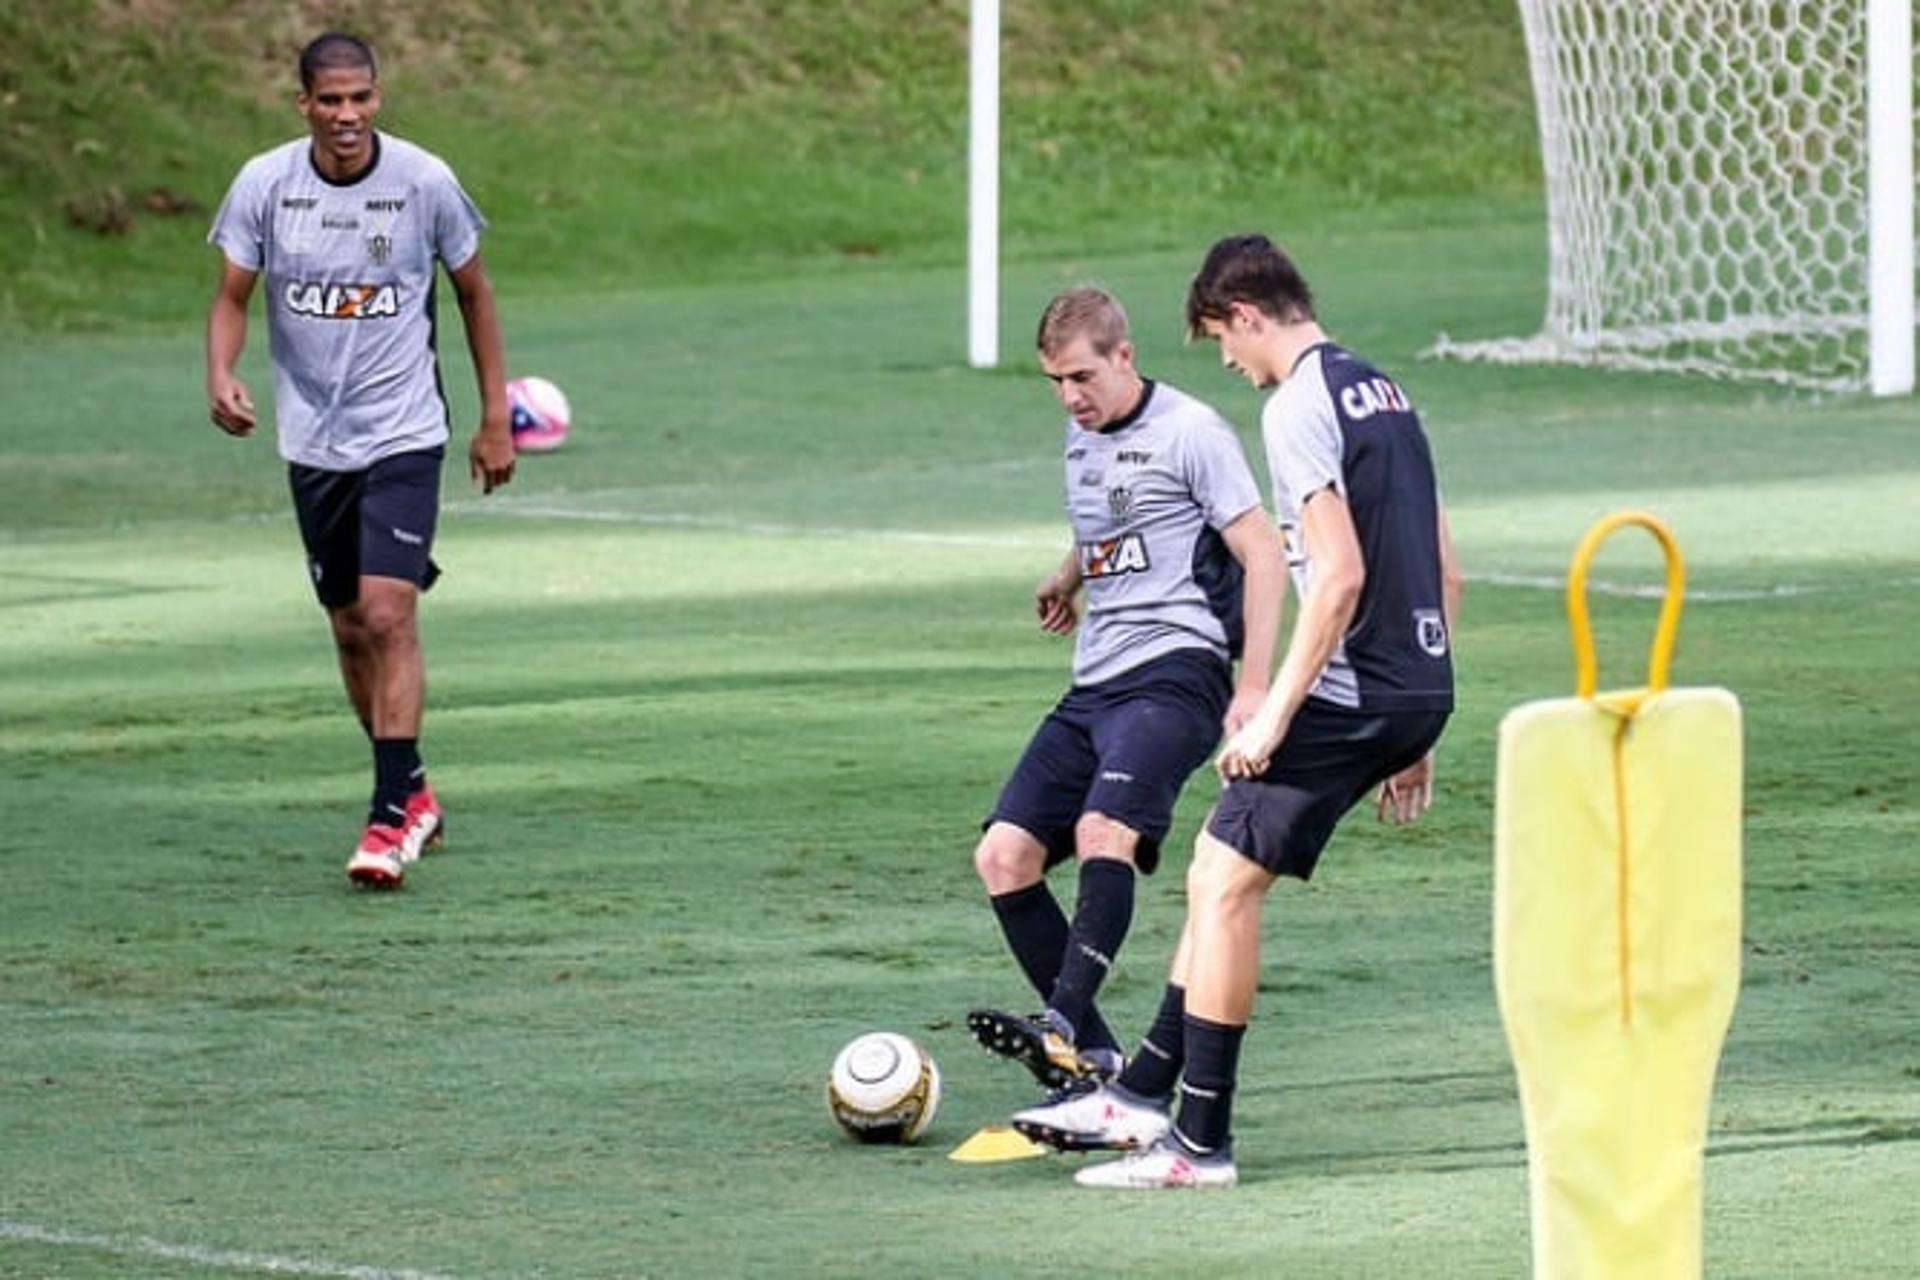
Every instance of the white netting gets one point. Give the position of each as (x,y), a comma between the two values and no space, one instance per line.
(1706,181)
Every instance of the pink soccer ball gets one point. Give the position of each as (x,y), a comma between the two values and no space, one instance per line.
(541,415)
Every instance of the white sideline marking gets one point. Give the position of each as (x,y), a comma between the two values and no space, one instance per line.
(1658,591)
(770,529)
(147,1247)
(725,524)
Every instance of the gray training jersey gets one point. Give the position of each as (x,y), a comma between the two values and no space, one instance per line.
(350,272)
(1147,497)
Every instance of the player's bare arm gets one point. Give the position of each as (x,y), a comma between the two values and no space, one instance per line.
(490,456)
(1255,543)
(228,400)
(1055,599)
(1409,793)
(1339,573)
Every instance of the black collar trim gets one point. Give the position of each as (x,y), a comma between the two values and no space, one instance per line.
(1324,342)
(1133,414)
(372,164)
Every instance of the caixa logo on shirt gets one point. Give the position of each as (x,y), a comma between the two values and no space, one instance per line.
(343,301)
(1361,400)
(1110,556)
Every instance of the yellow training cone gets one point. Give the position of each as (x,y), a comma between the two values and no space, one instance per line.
(1616,945)
(996,1144)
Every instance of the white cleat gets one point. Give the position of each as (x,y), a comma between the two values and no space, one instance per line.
(1097,1119)
(425,826)
(1165,1164)
(380,860)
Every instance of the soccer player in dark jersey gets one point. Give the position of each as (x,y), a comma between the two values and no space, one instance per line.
(1169,538)
(350,227)
(1357,704)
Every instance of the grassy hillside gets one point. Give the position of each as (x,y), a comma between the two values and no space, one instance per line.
(633,142)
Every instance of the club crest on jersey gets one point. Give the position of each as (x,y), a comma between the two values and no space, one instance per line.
(1120,501)
(1430,631)
(343,301)
(1361,400)
(1109,557)
(379,247)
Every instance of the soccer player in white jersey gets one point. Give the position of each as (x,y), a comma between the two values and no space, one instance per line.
(1357,704)
(350,226)
(1172,549)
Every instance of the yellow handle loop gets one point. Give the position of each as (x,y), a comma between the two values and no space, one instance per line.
(1586,669)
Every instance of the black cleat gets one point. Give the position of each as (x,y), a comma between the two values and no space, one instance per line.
(1035,1045)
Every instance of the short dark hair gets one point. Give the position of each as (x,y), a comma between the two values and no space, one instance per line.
(333,51)
(1086,309)
(1250,269)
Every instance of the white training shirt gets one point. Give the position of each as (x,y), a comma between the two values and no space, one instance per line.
(1147,497)
(350,270)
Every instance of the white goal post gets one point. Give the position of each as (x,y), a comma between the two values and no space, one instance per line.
(1730,189)
(983,184)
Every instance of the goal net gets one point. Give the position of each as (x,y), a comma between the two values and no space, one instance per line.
(1707,170)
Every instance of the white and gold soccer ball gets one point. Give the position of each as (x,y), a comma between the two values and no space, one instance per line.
(883,1088)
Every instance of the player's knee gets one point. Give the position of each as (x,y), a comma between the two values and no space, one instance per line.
(1006,861)
(1200,885)
(389,616)
(1096,835)
(349,627)
(1220,879)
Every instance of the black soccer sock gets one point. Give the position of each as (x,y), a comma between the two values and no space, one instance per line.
(1206,1088)
(1100,922)
(394,762)
(1155,1066)
(1036,931)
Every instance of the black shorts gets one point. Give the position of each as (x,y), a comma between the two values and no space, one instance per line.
(379,521)
(1329,760)
(1122,748)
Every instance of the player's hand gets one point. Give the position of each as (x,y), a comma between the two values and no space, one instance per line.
(231,405)
(491,455)
(1245,705)
(1053,603)
(1406,795)
(1251,748)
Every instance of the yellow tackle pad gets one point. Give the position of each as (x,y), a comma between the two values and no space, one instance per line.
(1617,950)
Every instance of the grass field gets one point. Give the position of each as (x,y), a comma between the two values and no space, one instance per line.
(718,696)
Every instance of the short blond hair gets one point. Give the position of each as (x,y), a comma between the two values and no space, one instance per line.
(1086,310)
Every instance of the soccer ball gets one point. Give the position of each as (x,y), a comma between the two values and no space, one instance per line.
(541,416)
(884,1088)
